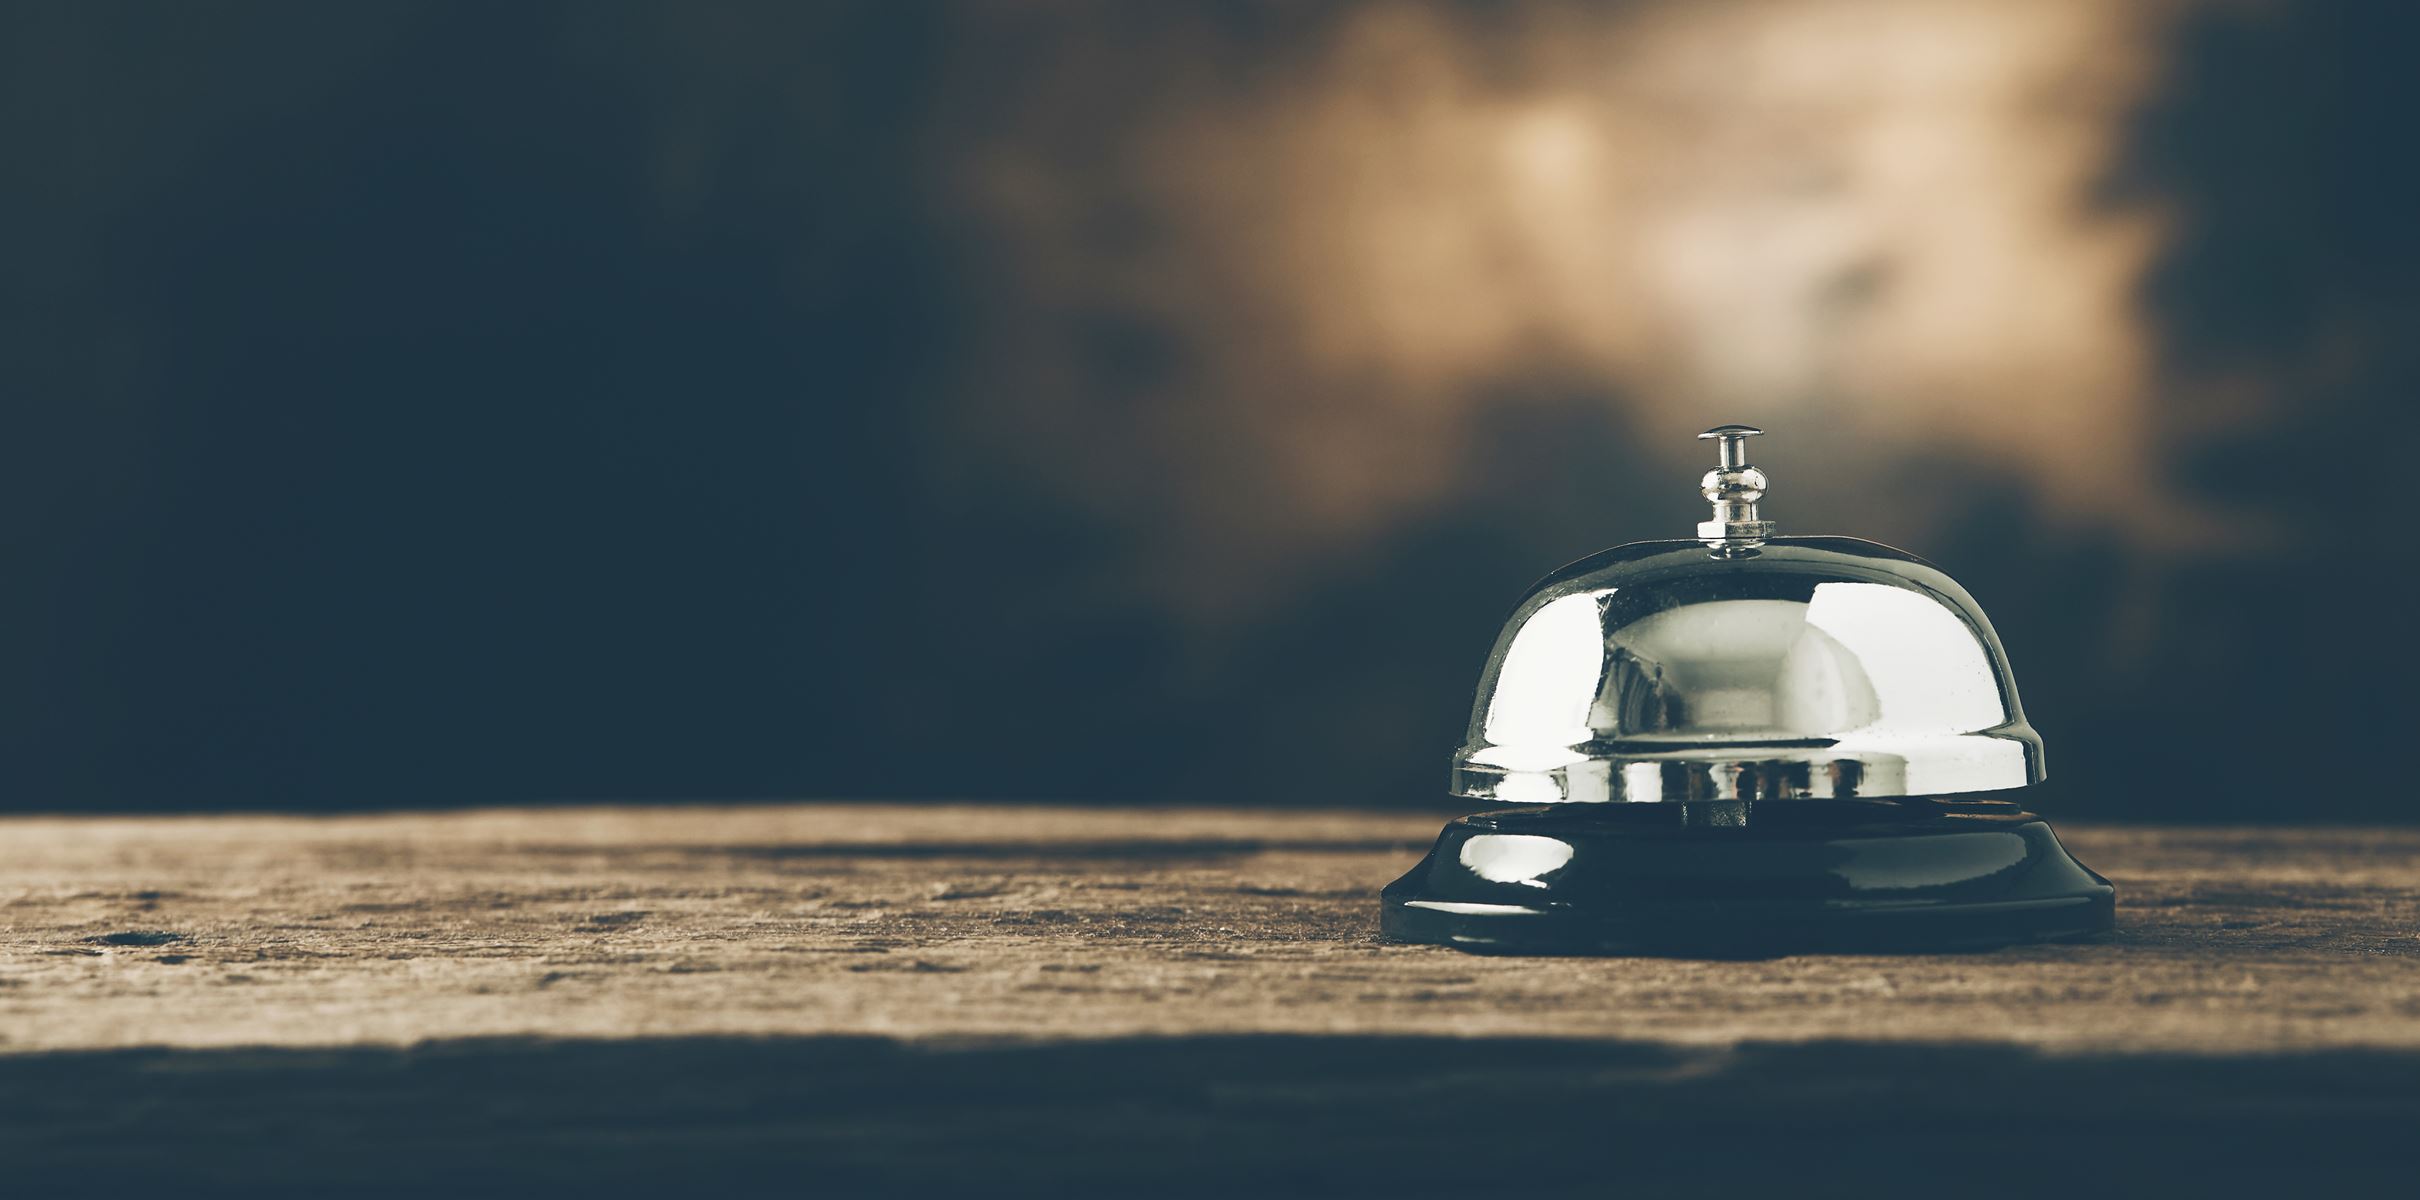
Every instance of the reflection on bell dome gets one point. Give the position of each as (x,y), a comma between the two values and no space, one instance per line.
(1732,668)
(1822,667)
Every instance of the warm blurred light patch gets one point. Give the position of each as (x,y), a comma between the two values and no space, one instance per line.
(1869,222)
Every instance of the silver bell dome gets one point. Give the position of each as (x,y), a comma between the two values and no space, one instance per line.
(1745,666)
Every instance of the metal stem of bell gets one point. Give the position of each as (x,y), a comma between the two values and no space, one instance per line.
(1733,487)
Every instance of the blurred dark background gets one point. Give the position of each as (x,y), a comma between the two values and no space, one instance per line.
(458,403)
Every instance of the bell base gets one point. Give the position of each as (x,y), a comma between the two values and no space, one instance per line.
(1549,881)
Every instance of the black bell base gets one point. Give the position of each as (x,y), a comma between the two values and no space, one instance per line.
(1720,882)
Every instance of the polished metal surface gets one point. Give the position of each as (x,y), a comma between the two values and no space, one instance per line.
(1745,667)
(1545,881)
(1733,488)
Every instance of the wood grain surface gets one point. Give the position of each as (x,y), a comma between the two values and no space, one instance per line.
(885,994)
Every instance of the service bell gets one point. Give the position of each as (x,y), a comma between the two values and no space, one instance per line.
(1745,742)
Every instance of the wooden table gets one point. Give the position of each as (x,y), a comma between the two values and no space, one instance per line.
(861,997)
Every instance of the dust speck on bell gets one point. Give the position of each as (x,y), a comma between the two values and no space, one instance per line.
(1745,743)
